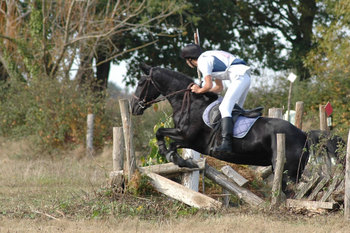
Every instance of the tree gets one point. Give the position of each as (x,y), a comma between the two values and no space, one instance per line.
(45,38)
(42,41)
(330,64)
(274,34)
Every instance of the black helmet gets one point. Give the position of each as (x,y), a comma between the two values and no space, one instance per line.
(191,51)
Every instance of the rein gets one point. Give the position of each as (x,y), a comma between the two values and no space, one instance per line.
(143,104)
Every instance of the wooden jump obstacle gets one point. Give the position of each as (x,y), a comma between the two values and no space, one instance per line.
(229,179)
(307,196)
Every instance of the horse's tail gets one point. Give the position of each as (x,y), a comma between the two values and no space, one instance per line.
(321,142)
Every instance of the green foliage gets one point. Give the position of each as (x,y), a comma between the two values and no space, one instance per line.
(330,63)
(52,113)
(154,157)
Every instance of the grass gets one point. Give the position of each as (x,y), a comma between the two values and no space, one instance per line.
(70,193)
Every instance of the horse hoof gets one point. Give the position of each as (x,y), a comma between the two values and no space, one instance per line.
(190,164)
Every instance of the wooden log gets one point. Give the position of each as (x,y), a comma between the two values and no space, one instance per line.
(171,168)
(224,182)
(130,165)
(264,172)
(310,205)
(226,198)
(318,188)
(191,179)
(233,175)
(181,193)
(118,149)
(347,182)
(323,118)
(277,179)
(90,135)
(299,111)
(306,187)
(116,178)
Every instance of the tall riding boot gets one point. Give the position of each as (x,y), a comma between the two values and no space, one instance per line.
(227,133)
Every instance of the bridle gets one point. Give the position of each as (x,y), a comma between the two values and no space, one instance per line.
(143,103)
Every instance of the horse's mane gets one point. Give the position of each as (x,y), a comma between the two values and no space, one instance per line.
(186,79)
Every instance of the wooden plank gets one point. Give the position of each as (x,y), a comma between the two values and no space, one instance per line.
(277,179)
(181,193)
(347,182)
(235,176)
(331,188)
(306,187)
(171,168)
(224,182)
(310,205)
(317,189)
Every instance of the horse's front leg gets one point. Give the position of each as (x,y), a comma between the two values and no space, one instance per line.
(171,153)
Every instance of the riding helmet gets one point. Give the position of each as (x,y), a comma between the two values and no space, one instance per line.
(191,51)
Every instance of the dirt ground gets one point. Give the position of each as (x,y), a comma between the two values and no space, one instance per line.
(45,194)
(227,223)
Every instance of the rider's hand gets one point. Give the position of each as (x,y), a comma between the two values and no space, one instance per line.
(195,88)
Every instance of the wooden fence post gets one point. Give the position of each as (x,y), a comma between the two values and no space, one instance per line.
(118,149)
(323,118)
(191,179)
(275,113)
(90,135)
(277,180)
(347,182)
(299,111)
(130,165)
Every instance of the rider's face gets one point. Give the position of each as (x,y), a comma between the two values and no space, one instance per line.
(190,63)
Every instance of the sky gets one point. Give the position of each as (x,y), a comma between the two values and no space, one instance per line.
(116,74)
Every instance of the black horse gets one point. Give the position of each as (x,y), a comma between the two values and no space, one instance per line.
(258,147)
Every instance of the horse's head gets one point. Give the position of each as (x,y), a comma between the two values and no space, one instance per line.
(145,92)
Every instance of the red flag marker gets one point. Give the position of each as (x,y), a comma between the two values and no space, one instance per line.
(328,108)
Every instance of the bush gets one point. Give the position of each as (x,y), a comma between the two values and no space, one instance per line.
(52,112)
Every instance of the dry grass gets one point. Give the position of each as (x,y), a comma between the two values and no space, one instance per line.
(42,194)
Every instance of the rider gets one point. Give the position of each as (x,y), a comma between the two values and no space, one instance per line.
(219,65)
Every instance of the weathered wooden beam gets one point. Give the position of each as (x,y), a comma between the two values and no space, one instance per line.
(331,188)
(181,193)
(306,187)
(130,165)
(171,168)
(347,182)
(277,179)
(190,179)
(264,172)
(224,182)
(299,110)
(310,205)
(319,186)
(235,176)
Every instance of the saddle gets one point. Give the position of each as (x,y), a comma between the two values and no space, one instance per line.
(243,119)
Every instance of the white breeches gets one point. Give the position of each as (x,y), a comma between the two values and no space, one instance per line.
(236,93)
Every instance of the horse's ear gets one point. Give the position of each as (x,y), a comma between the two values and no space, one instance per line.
(145,68)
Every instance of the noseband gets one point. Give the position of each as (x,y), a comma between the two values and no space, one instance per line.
(149,79)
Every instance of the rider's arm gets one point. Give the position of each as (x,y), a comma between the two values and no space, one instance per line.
(207,85)
(218,86)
